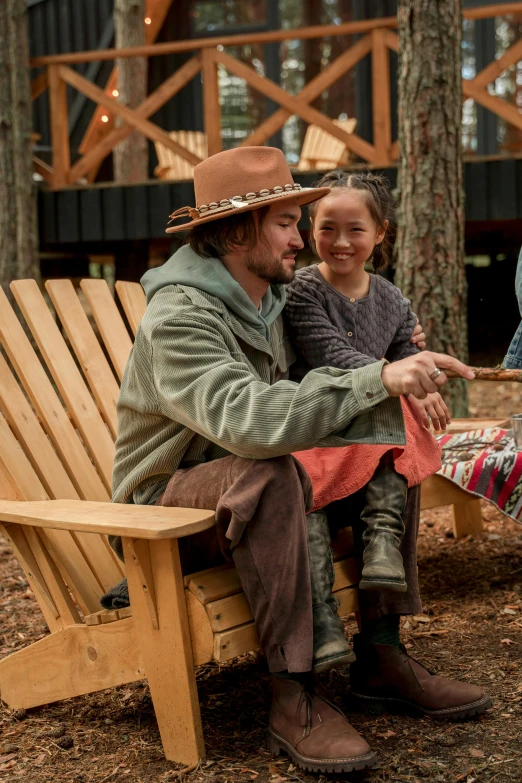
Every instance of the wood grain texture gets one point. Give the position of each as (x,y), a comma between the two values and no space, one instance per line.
(153,522)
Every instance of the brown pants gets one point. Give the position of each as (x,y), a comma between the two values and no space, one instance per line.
(261,508)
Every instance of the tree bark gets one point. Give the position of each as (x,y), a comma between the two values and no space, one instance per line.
(131,159)
(18,220)
(430,227)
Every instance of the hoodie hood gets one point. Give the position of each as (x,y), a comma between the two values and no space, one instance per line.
(186,268)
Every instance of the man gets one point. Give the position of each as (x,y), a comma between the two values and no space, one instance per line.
(207,419)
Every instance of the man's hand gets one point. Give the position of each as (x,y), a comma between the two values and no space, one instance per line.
(432,407)
(417,374)
(418,337)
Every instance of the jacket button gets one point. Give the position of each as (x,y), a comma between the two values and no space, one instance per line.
(352,299)
(350,334)
(369,395)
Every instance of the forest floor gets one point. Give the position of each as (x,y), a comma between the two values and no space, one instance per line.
(471,628)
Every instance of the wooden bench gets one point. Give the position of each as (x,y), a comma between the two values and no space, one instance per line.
(172,166)
(57,431)
(321,151)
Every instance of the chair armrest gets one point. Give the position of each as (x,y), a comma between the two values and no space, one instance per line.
(121,519)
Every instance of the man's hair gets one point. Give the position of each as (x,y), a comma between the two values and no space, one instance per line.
(217,238)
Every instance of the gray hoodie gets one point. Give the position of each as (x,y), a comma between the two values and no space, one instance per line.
(185,268)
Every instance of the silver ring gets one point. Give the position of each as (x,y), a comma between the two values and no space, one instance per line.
(435,373)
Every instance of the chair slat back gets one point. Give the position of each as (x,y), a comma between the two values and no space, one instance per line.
(55,449)
(69,549)
(46,402)
(177,167)
(109,322)
(322,151)
(67,377)
(31,436)
(89,353)
(133,301)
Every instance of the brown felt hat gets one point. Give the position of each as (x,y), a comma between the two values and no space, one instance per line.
(241,180)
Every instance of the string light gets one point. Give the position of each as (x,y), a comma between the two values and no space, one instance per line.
(104,118)
(115,93)
(148,20)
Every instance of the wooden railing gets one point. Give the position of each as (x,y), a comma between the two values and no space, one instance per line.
(377,37)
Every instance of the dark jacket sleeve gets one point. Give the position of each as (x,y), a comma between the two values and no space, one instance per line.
(317,340)
(401,346)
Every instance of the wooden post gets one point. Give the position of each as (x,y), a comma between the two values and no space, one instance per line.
(211,108)
(59,129)
(159,600)
(381,98)
(467,519)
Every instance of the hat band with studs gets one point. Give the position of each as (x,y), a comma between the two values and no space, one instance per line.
(235,202)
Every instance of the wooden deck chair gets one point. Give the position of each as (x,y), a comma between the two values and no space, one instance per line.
(56,453)
(172,166)
(321,151)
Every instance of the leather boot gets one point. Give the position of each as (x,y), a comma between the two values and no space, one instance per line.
(331,650)
(314,732)
(385,501)
(386,679)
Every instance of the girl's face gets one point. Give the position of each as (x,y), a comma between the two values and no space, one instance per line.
(344,231)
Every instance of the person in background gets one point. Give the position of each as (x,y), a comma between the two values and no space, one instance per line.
(513,358)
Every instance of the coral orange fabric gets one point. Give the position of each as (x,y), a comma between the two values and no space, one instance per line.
(339,472)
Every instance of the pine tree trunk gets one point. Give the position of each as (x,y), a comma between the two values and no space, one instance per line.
(430,227)
(18,221)
(131,159)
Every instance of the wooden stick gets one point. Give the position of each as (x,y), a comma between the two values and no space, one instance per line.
(491,374)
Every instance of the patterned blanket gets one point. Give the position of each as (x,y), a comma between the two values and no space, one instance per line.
(485,463)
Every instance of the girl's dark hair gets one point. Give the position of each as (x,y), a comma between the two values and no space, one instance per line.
(217,238)
(378,198)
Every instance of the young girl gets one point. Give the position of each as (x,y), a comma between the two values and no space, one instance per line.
(340,315)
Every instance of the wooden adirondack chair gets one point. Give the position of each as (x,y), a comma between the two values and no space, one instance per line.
(57,431)
(321,151)
(172,166)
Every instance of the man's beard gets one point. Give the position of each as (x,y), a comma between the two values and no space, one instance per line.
(263,264)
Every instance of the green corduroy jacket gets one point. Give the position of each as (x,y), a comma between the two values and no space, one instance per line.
(201,383)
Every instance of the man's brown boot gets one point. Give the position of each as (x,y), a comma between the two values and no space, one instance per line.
(386,679)
(314,732)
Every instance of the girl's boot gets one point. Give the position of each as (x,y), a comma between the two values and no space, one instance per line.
(331,650)
(385,501)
